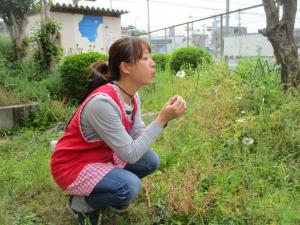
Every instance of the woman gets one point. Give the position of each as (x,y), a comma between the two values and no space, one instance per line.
(105,150)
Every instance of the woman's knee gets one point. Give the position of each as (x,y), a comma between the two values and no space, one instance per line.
(129,190)
(153,160)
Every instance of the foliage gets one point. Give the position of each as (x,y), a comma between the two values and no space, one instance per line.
(14,14)
(189,58)
(208,174)
(7,50)
(19,8)
(161,60)
(5,43)
(25,87)
(254,69)
(47,47)
(74,74)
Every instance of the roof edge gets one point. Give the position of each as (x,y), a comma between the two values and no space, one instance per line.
(97,11)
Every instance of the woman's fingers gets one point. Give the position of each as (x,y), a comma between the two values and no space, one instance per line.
(179,106)
(172,100)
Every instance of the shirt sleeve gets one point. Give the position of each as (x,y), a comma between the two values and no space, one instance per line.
(105,117)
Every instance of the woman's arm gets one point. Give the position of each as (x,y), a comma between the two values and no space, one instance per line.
(104,117)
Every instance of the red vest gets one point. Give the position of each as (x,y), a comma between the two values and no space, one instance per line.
(73,152)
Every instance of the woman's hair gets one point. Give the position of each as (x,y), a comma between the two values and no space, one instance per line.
(127,49)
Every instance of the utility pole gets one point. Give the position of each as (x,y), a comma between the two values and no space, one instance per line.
(227,18)
(75,2)
(148,24)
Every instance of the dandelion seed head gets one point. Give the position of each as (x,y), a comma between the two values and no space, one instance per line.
(241,120)
(247,141)
(180,74)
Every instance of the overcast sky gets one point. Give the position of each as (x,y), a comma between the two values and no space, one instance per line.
(165,13)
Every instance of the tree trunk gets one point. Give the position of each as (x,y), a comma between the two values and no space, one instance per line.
(45,11)
(281,35)
(45,17)
(17,32)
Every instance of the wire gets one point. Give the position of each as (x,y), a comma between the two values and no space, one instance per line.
(188,6)
(176,4)
(215,1)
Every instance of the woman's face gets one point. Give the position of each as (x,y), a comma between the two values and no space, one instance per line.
(143,71)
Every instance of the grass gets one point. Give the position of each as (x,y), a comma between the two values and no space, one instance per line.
(5,42)
(9,98)
(207,174)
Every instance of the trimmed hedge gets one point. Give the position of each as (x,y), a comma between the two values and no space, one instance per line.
(161,60)
(189,58)
(74,74)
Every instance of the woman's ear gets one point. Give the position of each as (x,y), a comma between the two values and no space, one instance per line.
(124,68)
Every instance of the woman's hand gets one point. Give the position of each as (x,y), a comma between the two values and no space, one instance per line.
(174,108)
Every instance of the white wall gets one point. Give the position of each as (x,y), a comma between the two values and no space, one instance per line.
(33,24)
(71,38)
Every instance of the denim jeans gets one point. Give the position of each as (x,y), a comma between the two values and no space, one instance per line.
(121,186)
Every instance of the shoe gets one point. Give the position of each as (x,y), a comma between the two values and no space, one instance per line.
(88,218)
(120,208)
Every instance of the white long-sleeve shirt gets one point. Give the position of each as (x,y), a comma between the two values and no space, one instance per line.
(101,120)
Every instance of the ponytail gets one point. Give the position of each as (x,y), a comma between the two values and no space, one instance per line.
(98,76)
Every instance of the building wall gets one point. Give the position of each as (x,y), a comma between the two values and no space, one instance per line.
(247,45)
(82,32)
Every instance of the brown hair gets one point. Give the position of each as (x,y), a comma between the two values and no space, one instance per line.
(127,49)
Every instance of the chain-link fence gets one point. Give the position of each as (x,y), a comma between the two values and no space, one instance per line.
(233,42)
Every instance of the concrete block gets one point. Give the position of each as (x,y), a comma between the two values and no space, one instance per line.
(14,115)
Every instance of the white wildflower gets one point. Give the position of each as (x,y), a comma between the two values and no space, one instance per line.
(243,112)
(241,120)
(238,97)
(247,141)
(180,74)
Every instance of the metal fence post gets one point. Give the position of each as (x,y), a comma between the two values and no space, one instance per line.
(166,41)
(222,37)
(187,32)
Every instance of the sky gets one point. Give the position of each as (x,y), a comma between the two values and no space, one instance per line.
(166,13)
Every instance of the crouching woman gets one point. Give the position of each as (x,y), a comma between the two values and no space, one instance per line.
(105,150)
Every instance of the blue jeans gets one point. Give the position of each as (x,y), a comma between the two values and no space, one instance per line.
(121,186)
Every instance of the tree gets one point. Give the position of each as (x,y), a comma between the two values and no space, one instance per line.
(13,13)
(281,35)
(133,31)
(47,39)
(45,11)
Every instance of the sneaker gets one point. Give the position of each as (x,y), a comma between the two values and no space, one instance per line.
(88,218)
(120,208)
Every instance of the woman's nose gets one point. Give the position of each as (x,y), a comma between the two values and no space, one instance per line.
(152,63)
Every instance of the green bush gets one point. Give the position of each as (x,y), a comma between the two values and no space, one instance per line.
(189,58)
(74,74)
(161,60)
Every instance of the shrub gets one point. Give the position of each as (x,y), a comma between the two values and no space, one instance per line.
(161,60)
(74,74)
(189,58)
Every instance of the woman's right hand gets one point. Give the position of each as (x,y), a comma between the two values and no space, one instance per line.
(174,108)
